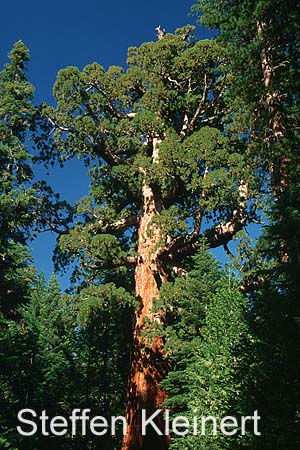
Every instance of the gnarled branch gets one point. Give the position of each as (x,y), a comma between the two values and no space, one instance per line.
(218,235)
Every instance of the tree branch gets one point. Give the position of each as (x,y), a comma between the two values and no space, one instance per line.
(199,213)
(57,127)
(110,106)
(221,234)
(201,103)
(128,261)
(110,158)
(121,224)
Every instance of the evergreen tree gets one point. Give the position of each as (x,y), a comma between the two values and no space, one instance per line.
(263,39)
(15,379)
(69,353)
(17,198)
(21,206)
(24,206)
(16,217)
(164,175)
(208,339)
(102,353)
(38,362)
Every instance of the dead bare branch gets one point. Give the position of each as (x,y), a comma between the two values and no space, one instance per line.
(201,103)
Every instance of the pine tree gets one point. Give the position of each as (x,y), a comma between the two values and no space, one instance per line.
(15,377)
(103,318)
(24,208)
(164,175)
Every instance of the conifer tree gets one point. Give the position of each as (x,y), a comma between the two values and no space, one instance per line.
(263,39)
(17,197)
(208,339)
(16,202)
(164,175)
(103,318)
(37,364)
(24,206)
(68,354)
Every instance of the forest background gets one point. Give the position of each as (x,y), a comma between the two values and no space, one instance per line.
(137,174)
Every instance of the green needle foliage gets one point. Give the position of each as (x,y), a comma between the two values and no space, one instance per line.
(68,353)
(211,128)
(208,338)
(263,39)
(172,92)
(25,207)
(17,197)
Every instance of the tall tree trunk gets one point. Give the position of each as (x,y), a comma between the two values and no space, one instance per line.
(278,167)
(279,164)
(148,367)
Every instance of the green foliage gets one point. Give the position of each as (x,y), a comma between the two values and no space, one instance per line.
(206,106)
(17,198)
(250,29)
(263,41)
(173,92)
(66,353)
(16,112)
(276,356)
(208,339)
(184,301)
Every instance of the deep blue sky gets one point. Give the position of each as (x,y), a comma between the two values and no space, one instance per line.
(60,33)
(65,32)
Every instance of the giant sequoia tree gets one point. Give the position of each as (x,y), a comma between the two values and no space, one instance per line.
(180,145)
(164,175)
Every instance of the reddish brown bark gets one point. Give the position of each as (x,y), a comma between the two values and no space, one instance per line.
(148,367)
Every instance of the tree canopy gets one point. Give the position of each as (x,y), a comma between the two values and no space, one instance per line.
(185,147)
